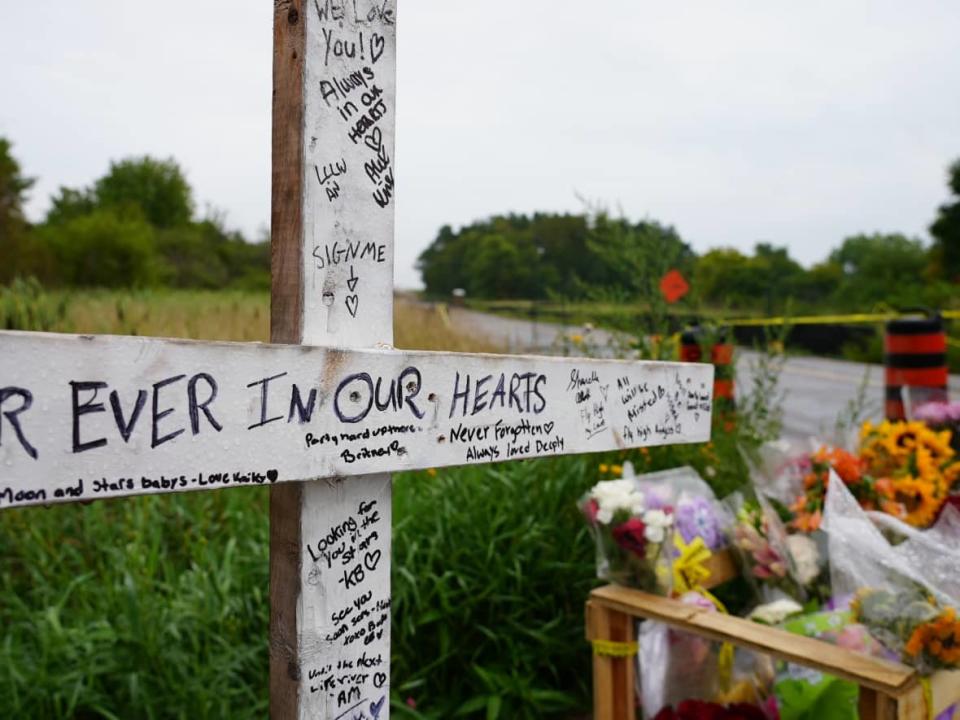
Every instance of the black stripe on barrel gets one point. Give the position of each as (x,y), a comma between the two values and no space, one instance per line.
(915,357)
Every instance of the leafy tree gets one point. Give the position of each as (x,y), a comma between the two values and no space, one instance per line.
(946,231)
(157,188)
(13,187)
(636,256)
(19,253)
(68,204)
(104,249)
(501,268)
(880,268)
(549,252)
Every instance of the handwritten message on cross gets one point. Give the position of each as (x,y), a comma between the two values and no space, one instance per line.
(327,411)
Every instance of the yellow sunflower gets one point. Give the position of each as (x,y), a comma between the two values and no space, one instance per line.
(920,498)
(951,475)
(927,467)
(938,443)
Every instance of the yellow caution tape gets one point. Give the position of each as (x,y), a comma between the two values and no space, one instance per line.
(612,648)
(850,319)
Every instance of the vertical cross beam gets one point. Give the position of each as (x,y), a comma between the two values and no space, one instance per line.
(332,284)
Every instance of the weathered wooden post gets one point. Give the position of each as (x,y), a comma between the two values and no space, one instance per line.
(332,234)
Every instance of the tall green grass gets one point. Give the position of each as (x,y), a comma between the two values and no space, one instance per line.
(152,607)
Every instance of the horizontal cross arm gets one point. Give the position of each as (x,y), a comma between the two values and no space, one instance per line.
(84,417)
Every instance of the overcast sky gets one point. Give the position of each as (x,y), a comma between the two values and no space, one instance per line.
(793,123)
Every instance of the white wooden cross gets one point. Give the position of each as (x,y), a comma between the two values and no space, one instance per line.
(84,417)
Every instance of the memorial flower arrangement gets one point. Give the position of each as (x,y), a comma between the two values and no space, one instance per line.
(764,549)
(912,622)
(905,469)
(630,534)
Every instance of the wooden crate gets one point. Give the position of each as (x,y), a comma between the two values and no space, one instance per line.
(888,690)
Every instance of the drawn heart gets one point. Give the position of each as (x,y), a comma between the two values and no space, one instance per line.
(548,427)
(379,680)
(352,301)
(376,707)
(272,475)
(377,44)
(371,560)
(374,140)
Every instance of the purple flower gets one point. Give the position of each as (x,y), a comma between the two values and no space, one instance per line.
(696,517)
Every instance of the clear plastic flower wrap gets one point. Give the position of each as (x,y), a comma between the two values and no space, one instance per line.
(905,594)
(631,534)
(647,527)
(678,668)
(762,543)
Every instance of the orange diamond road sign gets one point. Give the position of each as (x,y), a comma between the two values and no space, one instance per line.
(673,286)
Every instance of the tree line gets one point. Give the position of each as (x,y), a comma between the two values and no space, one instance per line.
(136,226)
(595,255)
(133,227)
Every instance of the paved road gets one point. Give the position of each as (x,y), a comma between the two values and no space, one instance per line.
(815,390)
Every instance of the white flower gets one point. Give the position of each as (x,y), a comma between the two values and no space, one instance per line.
(806,558)
(657,522)
(613,496)
(775,612)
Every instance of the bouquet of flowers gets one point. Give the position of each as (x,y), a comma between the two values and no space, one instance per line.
(762,542)
(904,469)
(630,535)
(912,622)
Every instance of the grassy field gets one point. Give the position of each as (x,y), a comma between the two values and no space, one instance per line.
(157,607)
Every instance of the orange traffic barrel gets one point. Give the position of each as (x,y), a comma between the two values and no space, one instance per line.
(915,359)
(690,346)
(721,355)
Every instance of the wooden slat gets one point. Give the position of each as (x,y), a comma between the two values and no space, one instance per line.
(286,323)
(945,689)
(613,677)
(874,705)
(887,677)
(911,705)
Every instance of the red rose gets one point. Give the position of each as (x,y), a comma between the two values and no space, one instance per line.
(744,711)
(629,536)
(700,710)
